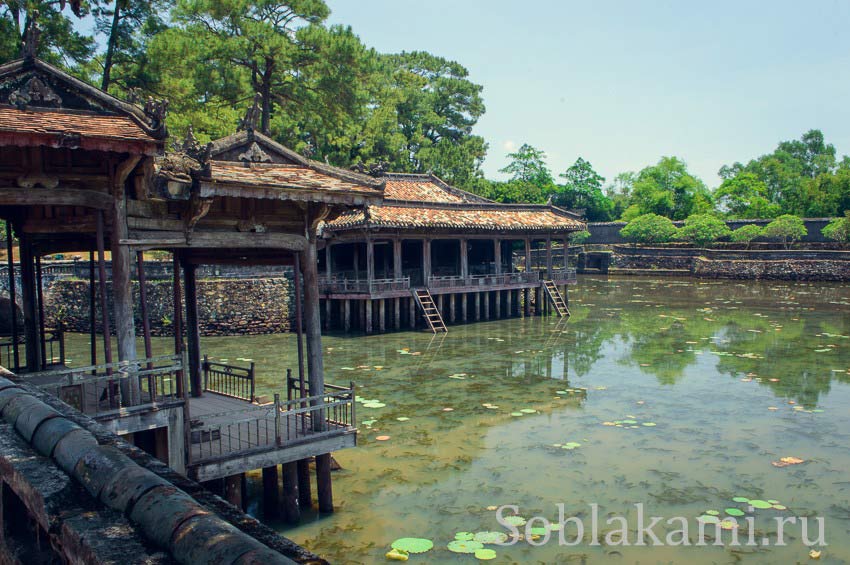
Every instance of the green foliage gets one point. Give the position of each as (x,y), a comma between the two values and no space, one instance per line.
(579,237)
(746,234)
(669,190)
(745,196)
(583,191)
(649,228)
(528,165)
(787,228)
(703,229)
(838,229)
(630,213)
(60,43)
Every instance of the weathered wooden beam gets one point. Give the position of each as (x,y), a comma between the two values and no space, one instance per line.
(30,308)
(271,492)
(324,489)
(17,196)
(291,503)
(219,240)
(104,310)
(192,329)
(312,320)
(233,490)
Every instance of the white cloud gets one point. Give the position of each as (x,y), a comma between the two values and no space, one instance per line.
(509,145)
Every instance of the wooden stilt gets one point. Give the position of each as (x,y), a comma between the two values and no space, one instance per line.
(396,314)
(346,315)
(526,301)
(39,294)
(327,320)
(177,301)
(477,306)
(304,488)
(498,296)
(299,323)
(368,307)
(411,316)
(486,297)
(463,312)
(291,506)
(271,492)
(452,307)
(233,490)
(382,315)
(193,332)
(323,483)
(510,305)
(312,326)
(440,304)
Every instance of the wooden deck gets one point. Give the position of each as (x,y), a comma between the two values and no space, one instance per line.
(230,436)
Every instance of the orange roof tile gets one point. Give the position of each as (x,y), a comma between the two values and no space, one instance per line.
(425,188)
(486,217)
(119,128)
(265,175)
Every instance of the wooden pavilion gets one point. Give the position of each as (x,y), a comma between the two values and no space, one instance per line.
(80,168)
(432,253)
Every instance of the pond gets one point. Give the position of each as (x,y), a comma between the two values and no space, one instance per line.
(679,395)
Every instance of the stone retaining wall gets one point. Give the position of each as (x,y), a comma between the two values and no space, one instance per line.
(225,306)
(792,270)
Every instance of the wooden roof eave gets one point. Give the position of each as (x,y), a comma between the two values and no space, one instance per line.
(86,143)
(402,229)
(211,188)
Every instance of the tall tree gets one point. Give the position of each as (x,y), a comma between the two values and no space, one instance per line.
(60,43)
(583,190)
(528,165)
(669,190)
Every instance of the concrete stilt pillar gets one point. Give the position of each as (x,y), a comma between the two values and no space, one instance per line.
(440,304)
(411,303)
(382,315)
(498,294)
(509,308)
(463,298)
(271,492)
(452,308)
(323,483)
(233,490)
(346,315)
(368,308)
(396,314)
(290,501)
(486,297)
(477,306)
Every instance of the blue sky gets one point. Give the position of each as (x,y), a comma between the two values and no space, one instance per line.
(622,83)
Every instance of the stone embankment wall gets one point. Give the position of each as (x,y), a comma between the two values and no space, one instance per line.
(246,306)
(802,265)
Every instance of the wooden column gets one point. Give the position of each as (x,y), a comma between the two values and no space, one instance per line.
(396,314)
(39,295)
(548,257)
(397,262)
(370,260)
(477,306)
(291,503)
(566,244)
(368,309)
(193,332)
(271,492)
(526,301)
(498,297)
(30,308)
(411,320)
(464,258)
(463,312)
(382,315)
(356,261)
(486,296)
(452,308)
(426,261)
(312,322)
(92,311)
(328,259)
(304,487)
(346,314)
(143,305)
(440,304)
(177,302)
(323,483)
(527,255)
(538,301)
(497,255)
(510,296)
(13,310)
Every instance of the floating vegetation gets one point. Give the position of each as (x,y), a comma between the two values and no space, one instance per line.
(490,537)
(373,405)
(708,519)
(397,555)
(465,536)
(412,545)
(402,418)
(786,462)
(514,520)
(736,512)
(528,411)
(464,546)
(485,554)
(382,438)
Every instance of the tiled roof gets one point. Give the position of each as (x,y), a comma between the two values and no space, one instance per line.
(284,177)
(58,123)
(502,217)
(425,188)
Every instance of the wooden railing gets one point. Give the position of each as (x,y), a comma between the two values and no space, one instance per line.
(274,425)
(336,285)
(54,350)
(108,389)
(563,275)
(484,280)
(229,380)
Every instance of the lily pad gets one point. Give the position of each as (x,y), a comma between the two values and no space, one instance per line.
(491,537)
(382,438)
(728,525)
(528,411)
(649,424)
(413,545)
(571,445)
(464,536)
(464,546)
(706,519)
(517,414)
(740,499)
(762,504)
(780,507)
(734,512)
(485,554)
(374,405)
(712,512)
(514,520)
(402,418)
(773,501)
(539,531)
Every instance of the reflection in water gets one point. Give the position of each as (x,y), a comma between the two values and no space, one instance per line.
(733,375)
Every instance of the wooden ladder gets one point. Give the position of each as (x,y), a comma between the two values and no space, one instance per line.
(556,298)
(429,310)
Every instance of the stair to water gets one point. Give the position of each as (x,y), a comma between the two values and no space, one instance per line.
(556,298)
(429,310)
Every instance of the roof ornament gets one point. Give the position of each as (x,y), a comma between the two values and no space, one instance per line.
(255,154)
(379,169)
(155,111)
(252,116)
(29,47)
(34,93)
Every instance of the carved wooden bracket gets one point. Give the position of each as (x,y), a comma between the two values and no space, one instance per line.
(198,208)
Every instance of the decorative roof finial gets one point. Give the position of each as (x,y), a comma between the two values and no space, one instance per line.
(156,110)
(252,116)
(29,47)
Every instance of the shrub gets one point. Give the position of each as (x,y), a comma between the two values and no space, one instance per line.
(746,234)
(702,229)
(579,237)
(649,228)
(838,229)
(786,228)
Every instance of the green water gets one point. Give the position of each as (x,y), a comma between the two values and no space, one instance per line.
(703,361)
